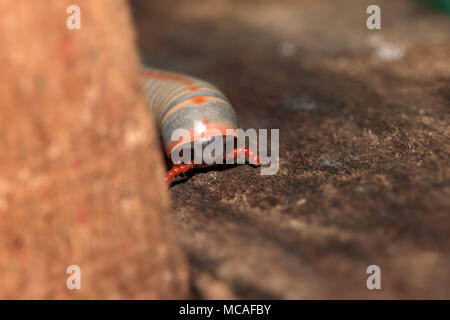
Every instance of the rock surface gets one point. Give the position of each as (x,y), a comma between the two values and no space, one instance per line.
(364,154)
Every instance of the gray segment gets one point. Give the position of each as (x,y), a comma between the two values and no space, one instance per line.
(191,95)
(214,111)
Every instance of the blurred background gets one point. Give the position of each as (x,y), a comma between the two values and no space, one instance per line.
(364,154)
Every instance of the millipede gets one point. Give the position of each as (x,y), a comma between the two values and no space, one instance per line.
(177,101)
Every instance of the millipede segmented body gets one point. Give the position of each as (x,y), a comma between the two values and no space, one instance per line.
(178,101)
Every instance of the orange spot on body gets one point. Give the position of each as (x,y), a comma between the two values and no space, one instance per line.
(198,99)
(169,76)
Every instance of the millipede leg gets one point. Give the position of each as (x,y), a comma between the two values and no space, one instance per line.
(252,156)
(176,170)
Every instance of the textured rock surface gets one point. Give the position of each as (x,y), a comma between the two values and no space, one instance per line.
(80,169)
(364,172)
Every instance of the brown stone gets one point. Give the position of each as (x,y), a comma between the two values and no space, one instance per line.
(81,176)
